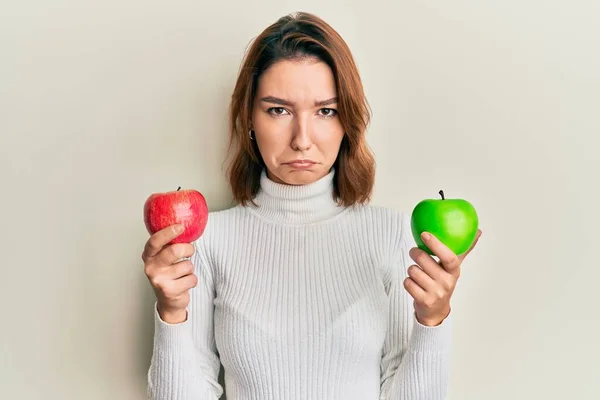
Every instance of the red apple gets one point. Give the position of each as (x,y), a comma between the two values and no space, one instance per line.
(187,207)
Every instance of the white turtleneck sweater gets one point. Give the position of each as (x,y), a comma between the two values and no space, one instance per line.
(300,299)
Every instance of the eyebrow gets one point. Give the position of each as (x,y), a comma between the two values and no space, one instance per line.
(283,102)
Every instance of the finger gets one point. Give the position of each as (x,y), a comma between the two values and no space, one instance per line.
(449,261)
(159,240)
(414,289)
(173,253)
(466,253)
(421,278)
(187,282)
(427,263)
(181,269)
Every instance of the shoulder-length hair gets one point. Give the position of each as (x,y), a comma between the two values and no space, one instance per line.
(298,36)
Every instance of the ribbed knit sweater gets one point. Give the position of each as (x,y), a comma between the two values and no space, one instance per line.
(301,299)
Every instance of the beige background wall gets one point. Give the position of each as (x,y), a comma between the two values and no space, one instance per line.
(103,103)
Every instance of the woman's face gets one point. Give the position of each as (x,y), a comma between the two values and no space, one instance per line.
(294,116)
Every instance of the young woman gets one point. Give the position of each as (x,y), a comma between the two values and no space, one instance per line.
(302,290)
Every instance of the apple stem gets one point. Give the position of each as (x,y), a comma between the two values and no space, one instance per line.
(178,188)
(441,192)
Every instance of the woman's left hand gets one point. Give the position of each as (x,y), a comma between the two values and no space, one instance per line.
(432,283)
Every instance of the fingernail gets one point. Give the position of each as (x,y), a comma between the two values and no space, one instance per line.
(425,236)
(178,228)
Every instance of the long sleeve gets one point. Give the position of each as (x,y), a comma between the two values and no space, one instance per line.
(416,358)
(184,364)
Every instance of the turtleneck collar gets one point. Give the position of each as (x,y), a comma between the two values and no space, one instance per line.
(296,204)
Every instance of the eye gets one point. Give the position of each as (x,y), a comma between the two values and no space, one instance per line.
(277,111)
(327,112)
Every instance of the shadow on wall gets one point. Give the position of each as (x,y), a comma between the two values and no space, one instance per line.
(222,381)
(145,330)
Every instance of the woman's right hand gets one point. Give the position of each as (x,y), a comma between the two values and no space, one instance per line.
(171,278)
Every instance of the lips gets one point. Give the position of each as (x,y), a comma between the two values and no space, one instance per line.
(301,163)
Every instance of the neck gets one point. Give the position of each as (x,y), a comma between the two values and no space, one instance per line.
(297,204)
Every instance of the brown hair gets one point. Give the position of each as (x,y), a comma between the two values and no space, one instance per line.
(294,36)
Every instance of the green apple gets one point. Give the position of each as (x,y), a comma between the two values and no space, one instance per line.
(453,221)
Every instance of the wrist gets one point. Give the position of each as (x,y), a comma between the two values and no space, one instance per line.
(433,320)
(172,316)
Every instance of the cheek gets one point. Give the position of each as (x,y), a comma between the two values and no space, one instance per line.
(272,145)
(272,142)
(329,137)
(267,129)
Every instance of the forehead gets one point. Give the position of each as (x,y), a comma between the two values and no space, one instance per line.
(298,80)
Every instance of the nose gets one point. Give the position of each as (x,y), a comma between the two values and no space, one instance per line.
(302,135)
